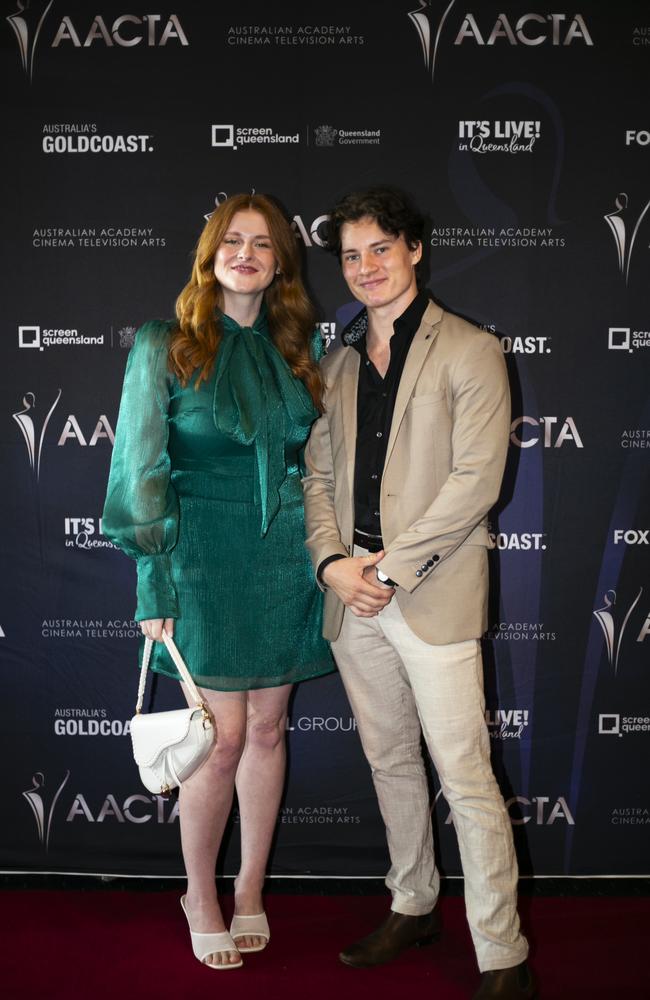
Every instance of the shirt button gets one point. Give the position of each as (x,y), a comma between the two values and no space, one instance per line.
(377,513)
(374,476)
(379,434)
(384,394)
(367,362)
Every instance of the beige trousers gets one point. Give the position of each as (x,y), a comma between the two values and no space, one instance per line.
(400,687)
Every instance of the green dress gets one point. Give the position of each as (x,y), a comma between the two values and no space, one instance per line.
(205,493)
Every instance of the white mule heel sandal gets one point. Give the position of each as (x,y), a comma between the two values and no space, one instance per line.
(251,926)
(204,945)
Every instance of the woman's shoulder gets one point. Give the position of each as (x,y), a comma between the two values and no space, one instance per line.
(155,332)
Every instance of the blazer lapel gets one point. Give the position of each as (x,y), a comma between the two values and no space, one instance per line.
(418,351)
(348,382)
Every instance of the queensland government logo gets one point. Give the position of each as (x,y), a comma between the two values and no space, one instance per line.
(327,135)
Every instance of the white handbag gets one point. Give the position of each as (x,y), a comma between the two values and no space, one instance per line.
(170,746)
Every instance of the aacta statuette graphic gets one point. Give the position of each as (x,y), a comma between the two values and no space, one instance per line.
(619,223)
(421,18)
(27,22)
(24,420)
(42,814)
(605,619)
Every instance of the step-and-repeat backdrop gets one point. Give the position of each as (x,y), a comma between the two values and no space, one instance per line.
(523,131)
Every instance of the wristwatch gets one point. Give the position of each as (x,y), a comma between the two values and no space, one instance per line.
(384,579)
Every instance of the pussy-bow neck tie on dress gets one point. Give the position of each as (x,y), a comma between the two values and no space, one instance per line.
(254,389)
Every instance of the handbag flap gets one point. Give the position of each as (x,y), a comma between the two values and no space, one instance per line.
(152,734)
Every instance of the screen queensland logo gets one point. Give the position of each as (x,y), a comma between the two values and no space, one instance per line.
(625,338)
(38,26)
(39,338)
(238,136)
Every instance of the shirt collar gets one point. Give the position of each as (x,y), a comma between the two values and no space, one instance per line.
(409,321)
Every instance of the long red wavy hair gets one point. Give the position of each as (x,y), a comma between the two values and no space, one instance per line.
(291,316)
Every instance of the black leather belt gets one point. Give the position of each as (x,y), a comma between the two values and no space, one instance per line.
(373,543)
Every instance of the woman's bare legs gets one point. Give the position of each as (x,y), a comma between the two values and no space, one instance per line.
(259,782)
(205,801)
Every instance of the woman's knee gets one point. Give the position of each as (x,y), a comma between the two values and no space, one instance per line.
(266,733)
(228,748)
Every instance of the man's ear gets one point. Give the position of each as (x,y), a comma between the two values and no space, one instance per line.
(417,252)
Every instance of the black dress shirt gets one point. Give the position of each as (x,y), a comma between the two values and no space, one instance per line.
(375,406)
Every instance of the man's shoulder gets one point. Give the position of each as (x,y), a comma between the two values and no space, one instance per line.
(460,335)
(333,362)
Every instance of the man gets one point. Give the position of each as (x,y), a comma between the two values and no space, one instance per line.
(403,467)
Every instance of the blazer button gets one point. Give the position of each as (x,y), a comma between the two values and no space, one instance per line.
(424,567)
(429,562)
(435,558)
(418,572)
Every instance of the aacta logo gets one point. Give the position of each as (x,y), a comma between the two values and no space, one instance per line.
(33,428)
(42,801)
(429,28)
(550,438)
(311,234)
(124,31)
(43,798)
(613,629)
(529,29)
(537,810)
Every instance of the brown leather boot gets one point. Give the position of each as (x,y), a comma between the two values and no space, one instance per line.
(391,938)
(516,983)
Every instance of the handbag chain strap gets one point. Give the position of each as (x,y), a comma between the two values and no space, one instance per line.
(178,663)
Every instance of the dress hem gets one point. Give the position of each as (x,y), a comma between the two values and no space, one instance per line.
(320,672)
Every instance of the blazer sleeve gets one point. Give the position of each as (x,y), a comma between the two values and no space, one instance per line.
(480,434)
(323,536)
(141,513)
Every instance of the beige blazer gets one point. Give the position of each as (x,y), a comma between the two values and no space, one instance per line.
(444,464)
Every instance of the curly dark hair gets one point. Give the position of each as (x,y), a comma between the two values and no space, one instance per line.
(392,210)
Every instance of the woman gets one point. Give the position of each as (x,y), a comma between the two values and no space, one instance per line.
(205,494)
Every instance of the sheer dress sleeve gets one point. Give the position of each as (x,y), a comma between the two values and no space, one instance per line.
(141,512)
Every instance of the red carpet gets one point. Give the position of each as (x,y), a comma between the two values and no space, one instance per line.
(104,944)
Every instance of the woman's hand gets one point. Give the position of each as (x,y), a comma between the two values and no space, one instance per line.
(153,628)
